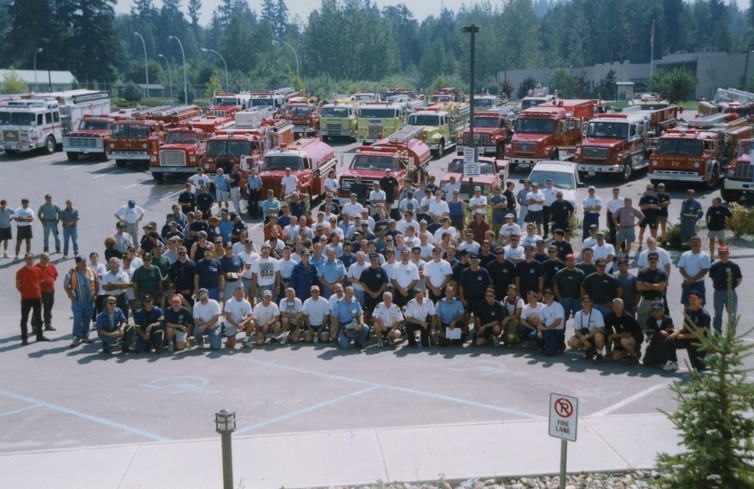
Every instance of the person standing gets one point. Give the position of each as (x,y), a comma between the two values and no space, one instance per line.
(626,219)
(649,204)
(651,282)
(131,214)
(69,218)
(691,212)
(49,216)
(663,199)
(222,189)
(6,232)
(535,200)
(82,286)
(511,198)
(23,217)
(551,194)
(726,277)
(28,284)
(718,218)
(615,203)
(522,202)
(693,265)
(253,186)
(592,205)
(48,274)
(234,182)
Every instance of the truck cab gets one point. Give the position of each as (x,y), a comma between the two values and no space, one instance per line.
(310,160)
(304,117)
(490,173)
(375,119)
(442,125)
(492,131)
(89,138)
(27,124)
(339,120)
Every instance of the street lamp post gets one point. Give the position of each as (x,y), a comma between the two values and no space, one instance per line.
(36,84)
(225,424)
(472,29)
(227,84)
(170,75)
(298,74)
(146,64)
(185,79)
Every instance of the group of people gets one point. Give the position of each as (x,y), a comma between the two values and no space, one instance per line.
(386,266)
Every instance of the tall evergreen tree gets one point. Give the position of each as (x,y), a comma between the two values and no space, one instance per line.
(194,9)
(91,39)
(34,25)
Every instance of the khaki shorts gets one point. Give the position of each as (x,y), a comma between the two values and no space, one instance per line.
(716,234)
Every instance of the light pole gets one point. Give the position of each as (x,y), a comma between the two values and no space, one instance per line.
(227,84)
(298,74)
(225,424)
(170,75)
(185,80)
(36,84)
(472,29)
(746,66)
(146,65)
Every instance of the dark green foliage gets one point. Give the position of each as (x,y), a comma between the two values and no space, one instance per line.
(677,85)
(525,86)
(132,93)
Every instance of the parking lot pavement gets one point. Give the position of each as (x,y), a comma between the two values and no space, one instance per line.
(54,397)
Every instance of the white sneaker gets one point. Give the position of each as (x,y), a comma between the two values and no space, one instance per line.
(670,367)
(495,341)
(380,343)
(170,347)
(5,254)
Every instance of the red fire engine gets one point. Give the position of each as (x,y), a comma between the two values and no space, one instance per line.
(304,117)
(492,131)
(92,135)
(310,160)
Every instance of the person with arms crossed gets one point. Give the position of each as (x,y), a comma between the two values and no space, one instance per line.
(113,328)
(178,321)
(726,277)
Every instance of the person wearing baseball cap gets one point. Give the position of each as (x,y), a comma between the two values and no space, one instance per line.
(178,321)
(696,322)
(472,284)
(660,352)
(567,286)
(720,272)
(266,319)
(131,215)
(592,205)
(316,311)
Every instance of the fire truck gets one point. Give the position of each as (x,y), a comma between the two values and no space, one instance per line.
(304,117)
(537,96)
(137,138)
(310,160)
(363,97)
(486,102)
(38,121)
(275,99)
(616,144)
(739,179)
(375,119)
(92,135)
(728,100)
(184,146)
(227,104)
(403,153)
(339,119)
(700,152)
(446,95)
(661,113)
(442,125)
(550,131)
(493,129)
(489,173)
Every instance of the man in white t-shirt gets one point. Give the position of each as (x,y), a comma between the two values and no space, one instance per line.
(478,203)
(550,333)
(589,331)
(377,195)
(354,275)
(238,318)
(605,250)
(352,208)
(437,275)
(288,185)
(316,311)
(420,315)
(266,319)
(291,314)
(446,228)
(387,320)
(438,207)
(535,201)
(265,274)
(509,229)
(207,313)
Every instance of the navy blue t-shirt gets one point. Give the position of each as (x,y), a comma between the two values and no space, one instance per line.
(209,272)
(718,272)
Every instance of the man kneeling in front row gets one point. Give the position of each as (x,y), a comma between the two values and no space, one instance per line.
(589,331)
(387,321)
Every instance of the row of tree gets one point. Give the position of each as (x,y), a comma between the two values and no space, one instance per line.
(353,40)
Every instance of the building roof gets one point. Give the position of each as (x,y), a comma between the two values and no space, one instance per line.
(56,77)
(151,86)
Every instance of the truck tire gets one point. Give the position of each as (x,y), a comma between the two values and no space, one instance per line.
(731,195)
(50,145)
(440,150)
(159,177)
(72,156)
(712,179)
(628,170)
(121,163)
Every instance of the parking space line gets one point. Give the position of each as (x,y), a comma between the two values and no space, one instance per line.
(20,410)
(305,410)
(72,167)
(407,390)
(632,399)
(134,184)
(170,196)
(89,417)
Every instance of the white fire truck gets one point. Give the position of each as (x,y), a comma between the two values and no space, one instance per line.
(38,121)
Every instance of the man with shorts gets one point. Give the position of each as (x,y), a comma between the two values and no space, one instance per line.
(589,331)
(291,314)
(624,334)
(626,219)
(488,320)
(6,231)
(237,313)
(316,311)
(265,274)
(149,327)
(387,319)
(663,199)
(693,265)
(178,321)
(266,319)
(649,205)
(718,219)
(23,217)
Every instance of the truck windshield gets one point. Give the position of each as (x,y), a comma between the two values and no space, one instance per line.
(424,120)
(335,112)
(485,122)
(181,138)
(370,162)
(281,162)
(224,101)
(365,97)
(534,126)
(229,148)
(531,102)
(563,180)
(94,125)
(437,99)
(262,102)
(299,111)
(16,118)
(456,166)
(484,102)
(130,131)
(672,146)
(611,130)
(372,113)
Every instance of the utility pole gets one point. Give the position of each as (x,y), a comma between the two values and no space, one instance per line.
(472,29)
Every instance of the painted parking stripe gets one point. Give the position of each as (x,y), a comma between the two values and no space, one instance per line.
(20,410)
(632,399)
(88,417)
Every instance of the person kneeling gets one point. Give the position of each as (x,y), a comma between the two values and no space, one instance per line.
(488,318)
(266,319)
(207,313)
(589,331)
(113,328)
(387,318)
(624,334)
(348,322)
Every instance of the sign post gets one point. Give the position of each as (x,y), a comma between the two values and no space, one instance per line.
(564,412)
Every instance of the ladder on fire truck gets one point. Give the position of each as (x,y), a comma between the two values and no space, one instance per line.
(712,120)
(734,95)
(405,134)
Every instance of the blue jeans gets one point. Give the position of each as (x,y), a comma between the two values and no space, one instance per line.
(71,234)
(522,215)
(215,340)
(589,219)
(51,227)
(571,306)
(603,309)
(82,317)
(155,339)
(552,341)
(359,335)
(688,229)
(720,300)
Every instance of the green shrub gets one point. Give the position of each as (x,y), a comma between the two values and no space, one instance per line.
(132,93)
(742,222)
(672,238)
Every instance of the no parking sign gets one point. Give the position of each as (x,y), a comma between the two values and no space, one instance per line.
(563,416)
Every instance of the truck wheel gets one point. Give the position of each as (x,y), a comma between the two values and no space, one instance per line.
(625,175)
(103,157)
(731,195)
(11,152)
(121,163)
(325,139)
(50,145)
(159,177)
(72,156)
(712,179)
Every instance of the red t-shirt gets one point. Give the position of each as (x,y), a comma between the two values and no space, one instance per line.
(49,274)
(30,279)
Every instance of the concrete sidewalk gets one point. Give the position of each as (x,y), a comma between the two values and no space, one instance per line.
(356,457)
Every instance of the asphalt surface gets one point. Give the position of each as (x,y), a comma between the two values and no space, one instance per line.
(54,397)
